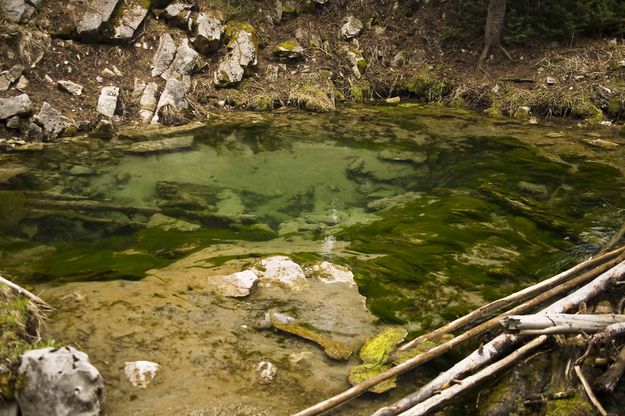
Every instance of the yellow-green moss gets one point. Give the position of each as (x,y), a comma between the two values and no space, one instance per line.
(232,30)
(378,349)
(425,86)
(359,91)
(575,406)
(363,372)
(313,95)
(263,102)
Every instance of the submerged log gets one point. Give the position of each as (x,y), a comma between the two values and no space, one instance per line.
(502,343)
(559,323)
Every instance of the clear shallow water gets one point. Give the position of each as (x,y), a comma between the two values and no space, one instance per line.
(435,211)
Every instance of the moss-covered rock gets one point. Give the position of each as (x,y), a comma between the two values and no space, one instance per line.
(378,349)
(426,87)
(363,372)
(575,406)
(289,50)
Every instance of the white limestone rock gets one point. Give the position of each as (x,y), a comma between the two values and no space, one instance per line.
(107,102)
(164,54)
(352,28)
(239,284)
(141,373)
(281,271)
(19,105)
(331,273)
(59,382)
(70,87)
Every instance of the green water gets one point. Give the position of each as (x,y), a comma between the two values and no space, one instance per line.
(435,211)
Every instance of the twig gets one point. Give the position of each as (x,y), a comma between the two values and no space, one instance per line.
(549,324)
(21,291)
(589,392)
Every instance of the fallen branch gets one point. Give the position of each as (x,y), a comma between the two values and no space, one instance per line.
(549,324)
(487,373)
(589,392)
(503,342)
(607,382)
(607,262)
(499,304)
(21,291)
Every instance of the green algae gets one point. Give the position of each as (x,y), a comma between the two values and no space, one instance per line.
(360,373)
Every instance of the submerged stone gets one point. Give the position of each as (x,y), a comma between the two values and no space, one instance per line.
(239,284)
(281,271)
(170,144)
(333,349)
(141,373)
(332,273)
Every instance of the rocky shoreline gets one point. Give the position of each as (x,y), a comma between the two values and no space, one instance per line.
(91,67)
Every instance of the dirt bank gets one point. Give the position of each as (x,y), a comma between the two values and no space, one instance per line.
(312,54)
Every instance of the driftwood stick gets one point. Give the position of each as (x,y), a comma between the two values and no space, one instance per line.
(439,350)
(492,307)
(21,291)
(559,323)
(502,343)
(589,391)
(607,382)
(486,373)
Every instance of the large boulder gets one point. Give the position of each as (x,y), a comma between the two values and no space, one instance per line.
(19,11)
(164,54)
(243,45)
(59,382)
(50,121)
(207,30)
(15,106)
(99,13)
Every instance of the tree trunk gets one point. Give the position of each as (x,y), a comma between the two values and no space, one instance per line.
(494,26)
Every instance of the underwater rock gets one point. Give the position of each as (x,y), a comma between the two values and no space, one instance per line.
(10,171)
(359,373)
(141,373)
(170,144)
(282,271)
(59,381)
(333,349)
(402,156)
(332,273)
(169,223)
(266,372)
(600,143)
(239,284)
(352,28)
(15,106)
(164,55)
(383,204)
